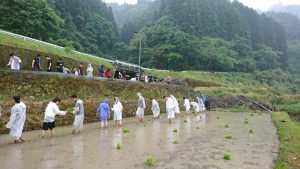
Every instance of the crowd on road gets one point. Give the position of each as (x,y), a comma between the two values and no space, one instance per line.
(18,113)
(15,64)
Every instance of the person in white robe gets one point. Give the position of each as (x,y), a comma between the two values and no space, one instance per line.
(79,114)
(155,108)
(17,120)
(187,105)
(49,119)
(170,108)
(117,109)
(177,110)
(14,62)
(201,104)
(90,70)
(195,107)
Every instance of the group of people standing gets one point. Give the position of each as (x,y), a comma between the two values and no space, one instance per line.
(18,113)
(36,64)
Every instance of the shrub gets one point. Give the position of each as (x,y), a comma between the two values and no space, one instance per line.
(174,130)
(226,126)
(250,131)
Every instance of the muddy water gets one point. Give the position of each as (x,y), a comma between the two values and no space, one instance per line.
(201,145)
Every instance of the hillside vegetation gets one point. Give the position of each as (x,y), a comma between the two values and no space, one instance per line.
(205,35)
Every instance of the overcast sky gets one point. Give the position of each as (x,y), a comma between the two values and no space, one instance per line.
(256,4)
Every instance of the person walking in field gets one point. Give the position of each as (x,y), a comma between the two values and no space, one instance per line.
(49,119)
(107,74)
(49,63)
(36,63)
(201,104)
(60,65)
(177,110)
(80,69)
(90,70)
(104,113)
(14,62)
(155,108)
(101,71)
(140,113)
(170,108)
(17,120)
(117,109)
(195,106)
(79,114)
(187,105)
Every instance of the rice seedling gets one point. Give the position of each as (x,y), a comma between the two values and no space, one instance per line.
(150,161)
(227,156)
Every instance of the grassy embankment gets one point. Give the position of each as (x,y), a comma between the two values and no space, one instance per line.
(67,52)
(275,87)
(288,130)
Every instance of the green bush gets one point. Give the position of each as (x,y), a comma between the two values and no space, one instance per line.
(174,130)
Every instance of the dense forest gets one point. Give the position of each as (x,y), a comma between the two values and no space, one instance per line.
(212,35)
(86,25)
(131,18)
(217,35)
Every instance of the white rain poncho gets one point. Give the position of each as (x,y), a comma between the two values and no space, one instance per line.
(14,63)
(195,106)
(51,111)
(176,104)
(117,108)
(155,108)
(17,120)
(90,71)
(187,105)
(170,108)
(79,115)
(201,104)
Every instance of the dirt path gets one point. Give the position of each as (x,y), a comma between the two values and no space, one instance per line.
(202,145)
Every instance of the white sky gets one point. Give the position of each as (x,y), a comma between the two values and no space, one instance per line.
(256,4)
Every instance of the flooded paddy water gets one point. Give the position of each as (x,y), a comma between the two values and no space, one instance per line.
(201,145)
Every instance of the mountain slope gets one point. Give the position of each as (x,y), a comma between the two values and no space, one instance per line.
(131,18)
(292,9)
(86,25)
(211,35)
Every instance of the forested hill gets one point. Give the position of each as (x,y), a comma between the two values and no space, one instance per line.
(212,35)
(292,9)
(86,25)
(131,18)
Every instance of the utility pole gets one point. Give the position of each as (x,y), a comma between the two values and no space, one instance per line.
(140,53)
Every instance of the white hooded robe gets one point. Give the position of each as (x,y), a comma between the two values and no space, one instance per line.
(155,108)
(17,120)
